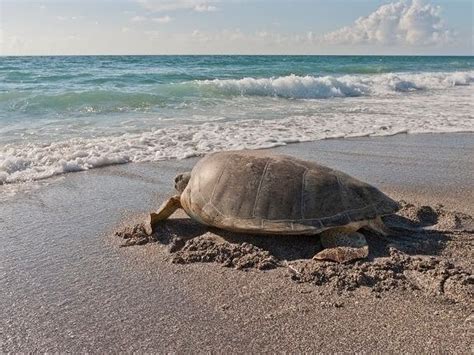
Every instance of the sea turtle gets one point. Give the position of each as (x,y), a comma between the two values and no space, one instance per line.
(264,193)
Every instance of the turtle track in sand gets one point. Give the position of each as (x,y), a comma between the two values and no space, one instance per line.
(433,253)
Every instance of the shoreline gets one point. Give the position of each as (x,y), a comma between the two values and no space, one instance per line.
(68,286)
(336,153)
(22,168)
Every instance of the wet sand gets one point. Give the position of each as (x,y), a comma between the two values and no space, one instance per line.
(67,285)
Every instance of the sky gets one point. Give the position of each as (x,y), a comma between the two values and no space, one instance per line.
(84,27)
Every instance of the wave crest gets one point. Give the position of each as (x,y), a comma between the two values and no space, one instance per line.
(113,100)
(312,87)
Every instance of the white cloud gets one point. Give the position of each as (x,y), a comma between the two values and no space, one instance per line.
(67,18)
(163,19)
(204,8)
(170,5)
(138,19)
(12,44)
(406,22)
(201,36)
(237,36)
(153,35)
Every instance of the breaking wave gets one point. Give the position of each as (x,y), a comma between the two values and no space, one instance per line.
(312,87)
(172,95)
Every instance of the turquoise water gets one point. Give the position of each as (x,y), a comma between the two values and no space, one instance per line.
(78,86)
(60,114)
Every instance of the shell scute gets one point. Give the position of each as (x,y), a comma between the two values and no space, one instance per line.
(322,197)
(280,191)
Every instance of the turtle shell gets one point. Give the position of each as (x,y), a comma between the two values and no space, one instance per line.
(260,192)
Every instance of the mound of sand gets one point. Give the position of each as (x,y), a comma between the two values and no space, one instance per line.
(432,251)
(240,256)
(437,218)
(433,276)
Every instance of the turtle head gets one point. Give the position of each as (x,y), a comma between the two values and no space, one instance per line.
(181,181)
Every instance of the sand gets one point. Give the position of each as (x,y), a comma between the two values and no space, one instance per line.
(68,285)
(416,258)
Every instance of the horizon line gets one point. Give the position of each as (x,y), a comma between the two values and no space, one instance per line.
(237,54)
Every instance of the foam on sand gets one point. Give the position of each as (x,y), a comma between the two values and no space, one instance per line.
(35,161)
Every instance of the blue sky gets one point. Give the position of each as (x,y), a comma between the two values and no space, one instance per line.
(236,27)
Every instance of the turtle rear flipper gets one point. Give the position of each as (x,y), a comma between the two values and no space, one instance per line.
(342,245)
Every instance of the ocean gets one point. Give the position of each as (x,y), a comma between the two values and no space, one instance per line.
(74,113)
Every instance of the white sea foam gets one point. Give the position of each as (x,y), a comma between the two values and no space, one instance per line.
(351,117)
(373,105)
(311,87)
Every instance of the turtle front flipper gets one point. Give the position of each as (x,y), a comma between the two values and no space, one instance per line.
(342,245)
(167,209)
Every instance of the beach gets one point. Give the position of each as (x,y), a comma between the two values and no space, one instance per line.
(68,285)
(355,234)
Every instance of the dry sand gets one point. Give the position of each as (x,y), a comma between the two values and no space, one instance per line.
(67,285)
